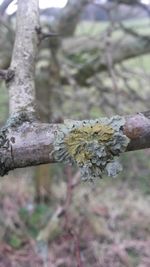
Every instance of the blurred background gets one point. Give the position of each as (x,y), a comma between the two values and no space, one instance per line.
(97,65)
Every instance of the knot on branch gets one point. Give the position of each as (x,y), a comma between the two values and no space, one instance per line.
(7,75)
(93,145)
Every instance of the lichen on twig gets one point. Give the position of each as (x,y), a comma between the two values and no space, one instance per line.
(94,145)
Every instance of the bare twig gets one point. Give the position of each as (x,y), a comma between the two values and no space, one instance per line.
(133,32)
(42,35)
(77,249)
(131,47)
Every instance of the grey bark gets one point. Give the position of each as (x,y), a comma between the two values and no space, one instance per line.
(32,144)
(22,86)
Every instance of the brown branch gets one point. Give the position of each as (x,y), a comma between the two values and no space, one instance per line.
(31,144)
(137,128)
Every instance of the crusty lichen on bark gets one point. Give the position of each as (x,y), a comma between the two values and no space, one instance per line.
(5,151)
(7,139)
(94,145)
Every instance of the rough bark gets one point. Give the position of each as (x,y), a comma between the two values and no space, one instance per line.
(20,77)
(21,86)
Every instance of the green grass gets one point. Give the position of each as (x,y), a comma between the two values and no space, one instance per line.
(139,62)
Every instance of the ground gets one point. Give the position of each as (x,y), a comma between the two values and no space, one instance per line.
(106,223)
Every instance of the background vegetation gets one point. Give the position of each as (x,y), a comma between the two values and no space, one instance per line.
(48,216)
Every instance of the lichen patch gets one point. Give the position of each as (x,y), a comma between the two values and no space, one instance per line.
(94,145)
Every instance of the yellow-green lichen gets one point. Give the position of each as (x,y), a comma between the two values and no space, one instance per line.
(94,145)
(77,139)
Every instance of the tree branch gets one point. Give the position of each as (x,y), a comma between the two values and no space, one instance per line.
(24,142)
(68,18)
(22,86)
(4,6)
(130,47)
(29,144)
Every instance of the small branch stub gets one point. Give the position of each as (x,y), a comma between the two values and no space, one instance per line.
(6,75)
(94,145)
